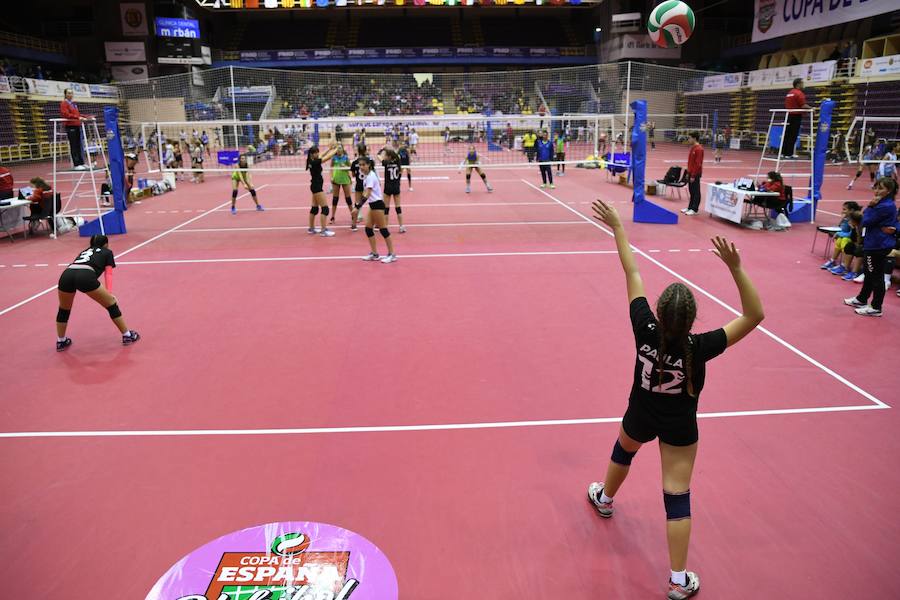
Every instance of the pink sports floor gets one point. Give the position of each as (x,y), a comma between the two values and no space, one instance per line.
(451,407)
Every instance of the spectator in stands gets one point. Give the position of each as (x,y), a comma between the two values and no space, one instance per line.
(73,119)
(695,171)
(793,102)
(6,183)
(879,215)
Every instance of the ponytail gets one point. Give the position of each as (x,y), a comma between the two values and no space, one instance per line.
(98,240)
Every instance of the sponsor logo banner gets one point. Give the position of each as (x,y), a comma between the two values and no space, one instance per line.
(281,561)
(883,65)
(129,72)
(125,51)
(182,28)
(4,85)
(373,53)
(726,81)
(775,18)
(812,72)
(134,19)
(724,203)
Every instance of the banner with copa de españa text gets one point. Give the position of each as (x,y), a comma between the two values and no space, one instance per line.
(775,18)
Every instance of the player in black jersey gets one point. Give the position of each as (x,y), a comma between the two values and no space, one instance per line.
(317,187)
(358,181)
(392,174)
(405,156)
(83,276)
(669,374)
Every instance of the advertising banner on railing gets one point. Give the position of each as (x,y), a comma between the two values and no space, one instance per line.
(883,65)
(56,89)
(129,72)
(812,72)
(725,81)
(378,53)
(5,88)
(775,18)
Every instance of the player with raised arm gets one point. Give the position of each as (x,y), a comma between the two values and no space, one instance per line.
(669,374)
(83,276)
(317,186)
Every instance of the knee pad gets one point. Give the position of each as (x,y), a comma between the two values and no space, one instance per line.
(334,201)
(234,194)
(370,232)
(253,192)
(114,311)
(62,316)
(620,456)
(314,210)
(483,176)
(398,210)
(468,178)
(387,210)
(385,233)
(349,203)
(678,506)
(325,210)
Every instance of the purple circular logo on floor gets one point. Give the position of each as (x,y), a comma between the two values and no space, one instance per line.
(282,561)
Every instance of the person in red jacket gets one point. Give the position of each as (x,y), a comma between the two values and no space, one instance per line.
(695,171)
(73,119)
(795,101)
(6,184)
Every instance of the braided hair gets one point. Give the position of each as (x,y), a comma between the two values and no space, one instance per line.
(676,310)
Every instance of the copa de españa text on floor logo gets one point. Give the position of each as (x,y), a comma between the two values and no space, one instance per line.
(282,561)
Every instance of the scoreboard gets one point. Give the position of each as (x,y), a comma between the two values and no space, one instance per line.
(178,51)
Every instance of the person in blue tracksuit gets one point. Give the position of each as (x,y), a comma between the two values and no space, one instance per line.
(879,226)
(544,151)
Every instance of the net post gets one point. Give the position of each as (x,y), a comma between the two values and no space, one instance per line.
(233,107)
(54,149)
(625,135)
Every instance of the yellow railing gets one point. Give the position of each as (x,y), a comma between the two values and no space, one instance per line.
(7,38)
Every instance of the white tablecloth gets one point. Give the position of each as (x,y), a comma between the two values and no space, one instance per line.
(727,201)
(11,216)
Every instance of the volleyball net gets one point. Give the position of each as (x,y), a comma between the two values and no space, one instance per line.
(273,116)
(432,141)
(869,138)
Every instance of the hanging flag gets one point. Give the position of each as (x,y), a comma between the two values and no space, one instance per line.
(287,3)
(322,3)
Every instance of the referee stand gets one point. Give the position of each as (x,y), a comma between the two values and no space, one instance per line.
(112,221)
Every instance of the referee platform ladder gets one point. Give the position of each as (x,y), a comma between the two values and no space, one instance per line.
(87,181)
(800,169)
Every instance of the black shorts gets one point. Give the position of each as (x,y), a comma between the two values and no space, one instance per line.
(83,280)
(377,205)
(317,186)
(642,424)
(404,162)
(392,188)
(560,156)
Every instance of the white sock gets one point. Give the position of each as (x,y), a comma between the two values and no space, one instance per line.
(60,339)
(127,333)
(604,498)
(887,281)
(679,577)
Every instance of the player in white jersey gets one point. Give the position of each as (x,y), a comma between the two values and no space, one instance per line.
(374,197)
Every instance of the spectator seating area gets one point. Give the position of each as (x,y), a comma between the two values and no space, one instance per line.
(475,98)
(405,97)
(879,100)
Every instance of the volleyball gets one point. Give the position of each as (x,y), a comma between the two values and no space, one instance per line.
(671,24)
